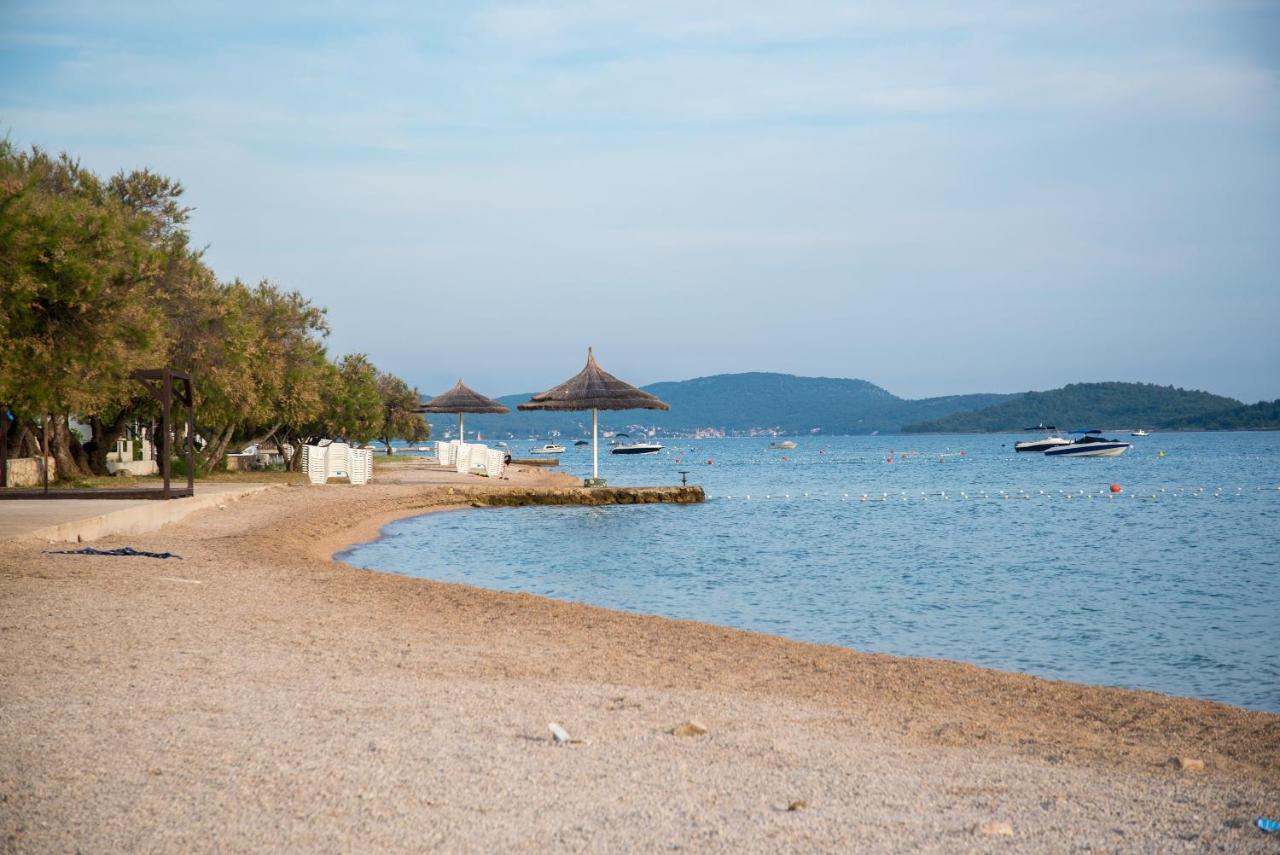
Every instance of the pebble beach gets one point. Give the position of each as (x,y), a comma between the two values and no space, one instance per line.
(259,695)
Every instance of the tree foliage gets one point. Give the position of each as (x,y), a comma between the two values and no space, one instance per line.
(98,278)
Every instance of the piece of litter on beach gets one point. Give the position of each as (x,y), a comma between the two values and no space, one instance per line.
(176,579)
(798,804)
(123,550)
(689,728)
(1267,826)
(994,828)
(1187,764)
(559,734)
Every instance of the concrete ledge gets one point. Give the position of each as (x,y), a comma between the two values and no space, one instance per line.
(517,497)
(92,519)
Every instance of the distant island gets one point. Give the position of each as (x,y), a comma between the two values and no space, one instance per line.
(1088,405)
(761,403)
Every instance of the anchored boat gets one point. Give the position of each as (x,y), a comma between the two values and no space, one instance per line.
(549,448)
(637,448)
(1050,441)
(1090,444)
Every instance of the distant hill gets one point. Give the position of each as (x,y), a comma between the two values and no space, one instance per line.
(1264,415)
(1085,405)
(743,403)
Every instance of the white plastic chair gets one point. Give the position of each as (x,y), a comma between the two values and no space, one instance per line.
(313,463)
(359,465)
(337,460)
(462,460)
(495,463)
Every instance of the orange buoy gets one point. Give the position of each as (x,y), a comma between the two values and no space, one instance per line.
(1116,488)
(709,462)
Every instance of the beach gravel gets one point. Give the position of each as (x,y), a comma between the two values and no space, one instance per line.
(259,696)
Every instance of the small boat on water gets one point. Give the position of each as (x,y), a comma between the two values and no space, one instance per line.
(548,448)
(1090,444)
(580,442)
(785,445)
(1043,444)
(1139,432)
(637,448)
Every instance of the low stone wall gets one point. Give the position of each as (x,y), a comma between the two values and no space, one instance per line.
(25,472)
(133,467)
(592,496)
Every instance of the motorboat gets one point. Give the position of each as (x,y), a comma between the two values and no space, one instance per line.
(637,448)
(548,448)
(1091,443)
(580,442)
(785,445)
(1043,444)
(1139,432)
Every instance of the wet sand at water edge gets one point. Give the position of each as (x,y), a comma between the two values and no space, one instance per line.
(258,695)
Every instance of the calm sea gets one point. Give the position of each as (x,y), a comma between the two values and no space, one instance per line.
(1013,561)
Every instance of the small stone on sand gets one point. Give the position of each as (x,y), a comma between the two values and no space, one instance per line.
(689,728)
(558,733)
(798,804)
(994,828)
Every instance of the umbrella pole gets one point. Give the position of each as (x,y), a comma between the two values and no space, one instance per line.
(461,436)
(595,450)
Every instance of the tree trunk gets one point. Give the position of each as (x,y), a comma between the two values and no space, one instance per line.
(105,436)
(28,445)
(387,442)
(60,440)
(216,450)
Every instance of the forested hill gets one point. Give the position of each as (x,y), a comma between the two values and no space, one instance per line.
(740,403)
(1085,405)
(1264,415)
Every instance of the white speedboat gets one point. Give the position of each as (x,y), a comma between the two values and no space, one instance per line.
(1139,432)
(1044,444)
(1091,444)
(549,448)
(637,448)
(785,445)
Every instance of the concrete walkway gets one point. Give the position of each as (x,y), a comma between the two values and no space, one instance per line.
(78,520)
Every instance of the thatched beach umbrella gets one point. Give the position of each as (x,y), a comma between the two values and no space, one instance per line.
(594,389)
(461,399)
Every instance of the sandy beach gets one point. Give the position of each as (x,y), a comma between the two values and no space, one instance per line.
(259,695)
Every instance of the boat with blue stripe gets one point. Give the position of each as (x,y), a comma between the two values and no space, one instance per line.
(1090,443)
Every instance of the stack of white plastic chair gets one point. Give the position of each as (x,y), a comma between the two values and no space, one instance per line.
(443,450)
(313,463)
(359,465)
(495,463)
(462,459)
(337,460)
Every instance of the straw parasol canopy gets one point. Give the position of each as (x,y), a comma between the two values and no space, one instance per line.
(594,389)
(462,399)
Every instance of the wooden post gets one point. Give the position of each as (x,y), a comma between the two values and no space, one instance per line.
(595,449)
(4,446)
(191,437)
(44,451)
(166,403)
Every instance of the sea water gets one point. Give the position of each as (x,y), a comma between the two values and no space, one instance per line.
(961,549)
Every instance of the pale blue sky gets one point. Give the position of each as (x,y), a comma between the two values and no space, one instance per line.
(936,197)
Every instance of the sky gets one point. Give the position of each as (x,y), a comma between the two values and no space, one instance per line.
(937,197)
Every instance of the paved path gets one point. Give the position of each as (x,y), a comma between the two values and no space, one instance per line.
(75,520)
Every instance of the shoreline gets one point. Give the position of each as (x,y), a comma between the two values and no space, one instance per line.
(432,700)
(378,525)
